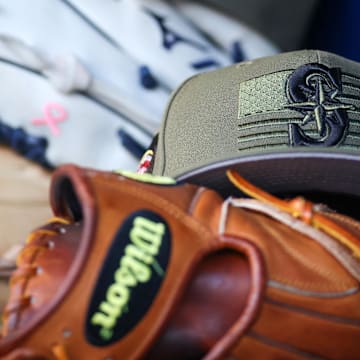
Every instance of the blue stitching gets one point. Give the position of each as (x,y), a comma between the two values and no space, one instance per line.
(170,37)
(130,143)
(204,64)
(237,52)
(29,146)
(146,78)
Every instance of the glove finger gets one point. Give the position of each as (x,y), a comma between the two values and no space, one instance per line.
(239,40)
(155,33)
(52,128)
(66,32)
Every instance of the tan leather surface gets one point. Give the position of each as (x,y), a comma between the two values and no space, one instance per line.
(307,264)
(317,331)
(212,296)
(255,347)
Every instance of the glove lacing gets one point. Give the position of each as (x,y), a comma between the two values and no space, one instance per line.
(299,208)
(26,270)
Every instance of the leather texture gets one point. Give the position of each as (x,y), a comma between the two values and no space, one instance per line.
(243,278)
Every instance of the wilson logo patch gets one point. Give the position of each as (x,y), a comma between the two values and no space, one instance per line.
(130,279)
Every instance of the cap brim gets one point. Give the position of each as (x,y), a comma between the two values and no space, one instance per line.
(284,173)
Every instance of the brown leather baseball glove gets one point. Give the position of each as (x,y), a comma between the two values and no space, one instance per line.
(129,269)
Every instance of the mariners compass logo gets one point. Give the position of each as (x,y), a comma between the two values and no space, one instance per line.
(314,90)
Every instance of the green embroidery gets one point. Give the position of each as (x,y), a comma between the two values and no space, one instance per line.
(134,268)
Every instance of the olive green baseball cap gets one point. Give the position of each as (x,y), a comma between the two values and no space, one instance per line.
(288,123)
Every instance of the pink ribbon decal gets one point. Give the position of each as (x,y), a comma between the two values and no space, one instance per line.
(53,114)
